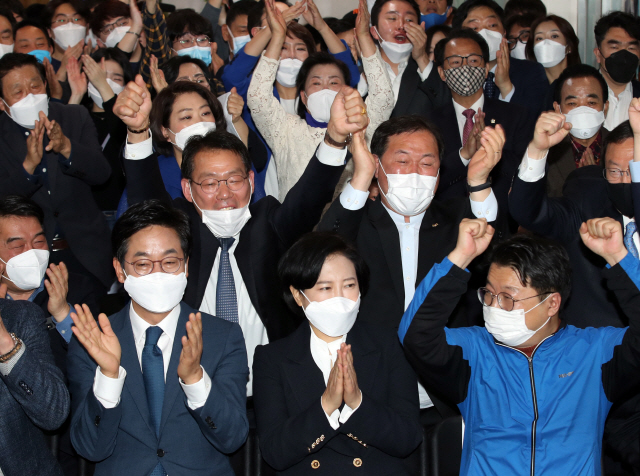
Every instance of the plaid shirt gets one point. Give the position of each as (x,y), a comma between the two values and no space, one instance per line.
(578,149)
(155,29)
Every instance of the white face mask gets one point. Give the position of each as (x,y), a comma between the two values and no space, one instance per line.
(409,194)
(156,292)
(69,34)
(585,121)
(549,53)
(225,223)
(493,39)
(509,327)
(519,51)
(95,95)
(27,269)
(288,72)
(4,49)
(26,111)
(197,129)
(239,42)
(116,36)
(319,104)
(334,316)
(90,37)
(396,52)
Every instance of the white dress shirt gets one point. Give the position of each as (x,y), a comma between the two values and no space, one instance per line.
(108,390)
(618,107)
(462,121)
(396,79)
(324,355)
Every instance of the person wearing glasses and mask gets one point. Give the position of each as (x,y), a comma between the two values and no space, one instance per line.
(67,21)
(531,387)
(190,34)
(589,192)
(158,388)
(338,394)
(518,28)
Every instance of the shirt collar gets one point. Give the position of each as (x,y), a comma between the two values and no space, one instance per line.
(401,67)
(34,293)
(628,91)
(475,106)
(493,70)
(139,326)
(398,219)
(327,348)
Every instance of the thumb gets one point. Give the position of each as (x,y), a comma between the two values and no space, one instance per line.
(214,48)
(234,90)
(422,25)
(583,229)
(140,82)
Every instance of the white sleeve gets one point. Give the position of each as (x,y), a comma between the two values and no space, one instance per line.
(465,162)
(333,418)
(347,411)
(509,96)
(532,170)
(486,209)
(197,393)
(352,199)
(328,155)
(139,151)
(634,168)
(427,70)
(108,390)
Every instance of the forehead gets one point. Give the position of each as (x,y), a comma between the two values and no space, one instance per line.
(581,87)
(188,100)
(398,7)
(15,226)
(337,266)
(153,239)
(618,34)
(504,278)
(620,154)
(216,163)
(21,74)
(30,32)
(480,14)
(240,20)
(546,26)
(4,23)
(325,71)
(65,9)
(293,40)
(420,141)
(462,46)
(113,67)
(190,69)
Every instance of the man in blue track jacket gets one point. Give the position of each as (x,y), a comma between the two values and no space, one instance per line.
(534,392)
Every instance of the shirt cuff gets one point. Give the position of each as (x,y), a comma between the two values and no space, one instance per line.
(197,393)
(333,418)
(509,96)
(352,199)
(108,390)
(532,170)
(486,209)
(139,151)
(64,327)
(465,162)
(427,71)
(7,367)
(328,155)
(634,168)
(347,411)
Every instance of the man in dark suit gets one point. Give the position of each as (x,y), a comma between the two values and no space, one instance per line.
(463,60)
(617,51)
(33,394)
(589,192)
(516,81)
(579,86)
(50,153)
(158,388)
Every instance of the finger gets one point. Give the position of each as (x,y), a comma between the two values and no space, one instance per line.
(105,324)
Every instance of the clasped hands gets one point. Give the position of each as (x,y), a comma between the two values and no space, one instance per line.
(342,385)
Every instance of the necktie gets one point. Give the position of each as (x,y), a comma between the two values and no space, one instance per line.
(468,126)
(153,376)
(490,88)
(628,239)
(226,300)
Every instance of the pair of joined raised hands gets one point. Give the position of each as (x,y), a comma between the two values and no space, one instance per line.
(342,385)
(58,142)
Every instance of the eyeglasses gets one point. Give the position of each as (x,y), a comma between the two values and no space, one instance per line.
(455,61)
(108,28)
(142,267)
(615,174)
(65,20)
(505,301)
(210,186)
(188,42)
(522,38)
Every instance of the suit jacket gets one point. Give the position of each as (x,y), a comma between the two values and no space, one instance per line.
(635,86)
(293,429)
(271,230)
(531,83)
(585,196)
(560,164)
(69,205)
(123,440)
(32,397)
(417,96)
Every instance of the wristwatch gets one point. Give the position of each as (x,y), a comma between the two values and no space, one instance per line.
(335,143)
(480,187)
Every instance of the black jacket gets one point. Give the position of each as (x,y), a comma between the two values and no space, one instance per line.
(417,96)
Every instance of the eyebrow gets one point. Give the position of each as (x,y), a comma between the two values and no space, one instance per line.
(17,238)
(592,95)
(190,108)
(165,253)
(230,173)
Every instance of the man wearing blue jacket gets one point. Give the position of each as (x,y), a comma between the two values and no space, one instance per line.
(534,392)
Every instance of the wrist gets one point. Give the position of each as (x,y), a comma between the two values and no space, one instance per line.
(194,377)
(536,153)
(476,181)
(327,407)
(614,259)
(334,134)
(29,167)
(505,88)
(459,259)
(6,343)
(66,149)
(110,373)
(464,153)
(61,314)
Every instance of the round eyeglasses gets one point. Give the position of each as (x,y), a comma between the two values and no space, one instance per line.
(170,265)
(234,183)
(505,301)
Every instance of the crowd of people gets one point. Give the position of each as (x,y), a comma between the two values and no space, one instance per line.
(253,240)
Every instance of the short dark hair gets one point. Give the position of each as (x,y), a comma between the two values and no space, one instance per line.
(214,140)
(463,11)
(143,215)
(105,11)
(573,57)
(468,33)
(402,125)
(296,30)
(580,71)
(171,68)
(239,8)
(19,206)
(317,37)
(431,32)
(187,21)
(14,6)
(524,7)
(36,24)
(4,12)
(522,20)
(617,19)
(78,6)
(301,265)
(618,135)
(377,8)
(338,26)
(12,61)
(117,55)
(317,59)
(254,19)
(538,262)
(162,108)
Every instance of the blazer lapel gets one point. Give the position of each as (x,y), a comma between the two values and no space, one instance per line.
(244,257)
(209,245)
(408,84)
(430,232)
(365,358)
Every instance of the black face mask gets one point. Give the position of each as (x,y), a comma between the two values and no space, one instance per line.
(621,66)
(620,195)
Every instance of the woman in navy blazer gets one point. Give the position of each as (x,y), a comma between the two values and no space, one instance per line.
(337,396)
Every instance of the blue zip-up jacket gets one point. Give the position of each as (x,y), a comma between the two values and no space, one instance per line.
(542,415)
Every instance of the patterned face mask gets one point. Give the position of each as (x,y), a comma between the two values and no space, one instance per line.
(465,80)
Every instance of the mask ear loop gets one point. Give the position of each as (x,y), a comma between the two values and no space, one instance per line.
(548,319)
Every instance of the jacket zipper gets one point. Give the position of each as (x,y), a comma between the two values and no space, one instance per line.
(534,424)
